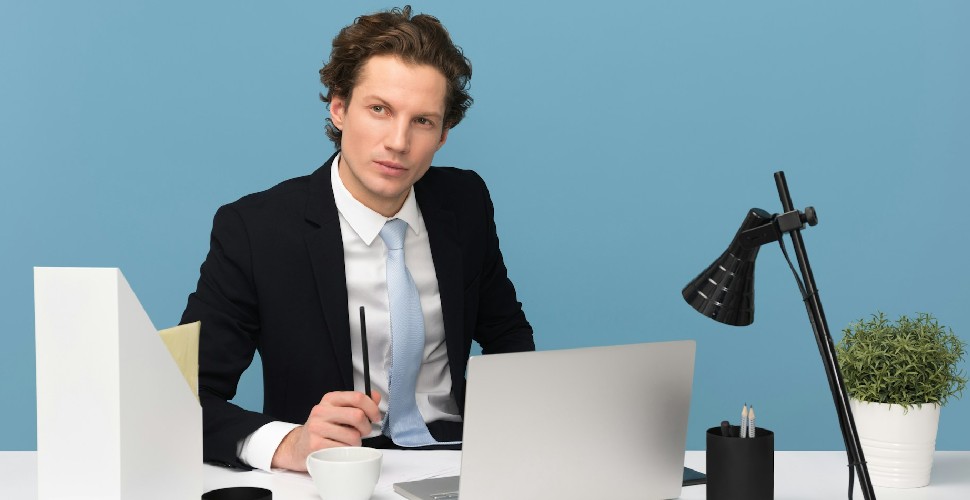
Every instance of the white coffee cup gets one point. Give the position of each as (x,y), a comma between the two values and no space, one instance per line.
(345,473)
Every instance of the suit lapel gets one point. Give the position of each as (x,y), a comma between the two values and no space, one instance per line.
(325,245)
(447,257)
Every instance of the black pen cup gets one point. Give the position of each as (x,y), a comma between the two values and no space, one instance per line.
(740,468)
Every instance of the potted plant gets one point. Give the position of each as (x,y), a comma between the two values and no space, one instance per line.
(898,375)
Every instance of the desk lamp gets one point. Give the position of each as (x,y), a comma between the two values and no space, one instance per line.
(724,292)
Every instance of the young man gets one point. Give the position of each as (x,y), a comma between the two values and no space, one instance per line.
(289,268)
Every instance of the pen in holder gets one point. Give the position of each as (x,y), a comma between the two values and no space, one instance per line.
(740,468)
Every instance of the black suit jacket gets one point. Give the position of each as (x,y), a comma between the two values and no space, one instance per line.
(274,282)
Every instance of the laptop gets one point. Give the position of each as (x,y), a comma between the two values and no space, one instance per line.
(597,422)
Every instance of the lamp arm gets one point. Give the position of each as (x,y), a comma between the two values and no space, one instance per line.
(826,347)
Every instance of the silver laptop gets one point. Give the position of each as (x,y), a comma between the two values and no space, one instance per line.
(599,422)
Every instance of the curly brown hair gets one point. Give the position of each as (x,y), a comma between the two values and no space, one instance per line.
(421,39)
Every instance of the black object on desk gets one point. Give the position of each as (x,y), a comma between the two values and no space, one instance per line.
(740,468)
(693,477)
(239,493)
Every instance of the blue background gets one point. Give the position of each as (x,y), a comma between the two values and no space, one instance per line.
(623,143)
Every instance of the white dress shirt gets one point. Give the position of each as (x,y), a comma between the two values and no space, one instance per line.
(365,261)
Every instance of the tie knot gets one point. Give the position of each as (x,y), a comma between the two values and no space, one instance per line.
(393,233)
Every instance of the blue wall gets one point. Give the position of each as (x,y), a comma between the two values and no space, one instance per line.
(610,134)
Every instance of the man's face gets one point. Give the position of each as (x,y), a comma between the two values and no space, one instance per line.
(391,128)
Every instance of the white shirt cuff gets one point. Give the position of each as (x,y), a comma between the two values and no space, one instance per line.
(258,448)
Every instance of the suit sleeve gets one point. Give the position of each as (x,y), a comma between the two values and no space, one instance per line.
(225,303)
(501,325)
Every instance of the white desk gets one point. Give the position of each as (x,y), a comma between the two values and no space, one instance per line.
(799,475)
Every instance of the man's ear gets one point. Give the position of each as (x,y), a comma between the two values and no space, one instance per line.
(444,137)
(338,109)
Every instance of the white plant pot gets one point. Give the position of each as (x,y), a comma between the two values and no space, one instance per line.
(898,444)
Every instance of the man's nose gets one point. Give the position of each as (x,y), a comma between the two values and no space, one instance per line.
(398,136)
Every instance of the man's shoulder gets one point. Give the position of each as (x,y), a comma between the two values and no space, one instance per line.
(449,179)
(295,187)
(291,193)
(459,191)
(279,208)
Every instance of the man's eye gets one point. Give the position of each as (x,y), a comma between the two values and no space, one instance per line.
(423,121)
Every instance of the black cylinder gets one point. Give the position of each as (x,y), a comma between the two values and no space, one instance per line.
(740,468)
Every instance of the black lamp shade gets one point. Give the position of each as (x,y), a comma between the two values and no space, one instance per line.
(724,291)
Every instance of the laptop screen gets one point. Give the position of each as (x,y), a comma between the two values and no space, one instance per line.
(598,422)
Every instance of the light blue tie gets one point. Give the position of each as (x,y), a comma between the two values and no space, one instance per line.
(402,422)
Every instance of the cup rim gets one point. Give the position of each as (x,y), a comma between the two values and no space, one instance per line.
(368,454)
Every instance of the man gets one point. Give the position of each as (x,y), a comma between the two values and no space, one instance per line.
(289,268)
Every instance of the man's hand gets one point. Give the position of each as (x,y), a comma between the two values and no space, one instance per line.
(340,419)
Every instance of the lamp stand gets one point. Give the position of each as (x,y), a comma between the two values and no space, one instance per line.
(826,349)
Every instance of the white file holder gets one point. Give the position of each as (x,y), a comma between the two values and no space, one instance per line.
(115,417)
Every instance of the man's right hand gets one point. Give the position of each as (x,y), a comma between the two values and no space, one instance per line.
(340,419)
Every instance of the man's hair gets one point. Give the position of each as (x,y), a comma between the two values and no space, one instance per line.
(416,40)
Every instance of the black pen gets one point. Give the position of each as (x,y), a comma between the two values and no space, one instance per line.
(363,348)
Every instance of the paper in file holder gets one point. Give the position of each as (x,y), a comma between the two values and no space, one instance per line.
(115,417)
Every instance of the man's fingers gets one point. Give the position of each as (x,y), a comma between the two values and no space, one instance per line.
(328,434)
(344,398)
(341,415)
(357,400)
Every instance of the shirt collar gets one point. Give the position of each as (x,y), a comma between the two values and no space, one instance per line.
(364,221)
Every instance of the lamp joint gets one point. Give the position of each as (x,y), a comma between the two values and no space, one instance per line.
(789,221)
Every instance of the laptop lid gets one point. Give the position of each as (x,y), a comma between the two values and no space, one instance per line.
(598,422)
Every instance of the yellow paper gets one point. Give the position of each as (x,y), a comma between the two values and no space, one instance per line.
(183,344)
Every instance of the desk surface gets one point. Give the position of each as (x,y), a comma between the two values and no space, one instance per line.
(798,475)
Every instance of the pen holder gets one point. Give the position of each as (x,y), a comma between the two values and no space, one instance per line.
(740,468)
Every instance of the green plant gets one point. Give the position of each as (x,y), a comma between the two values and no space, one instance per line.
(909,362)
